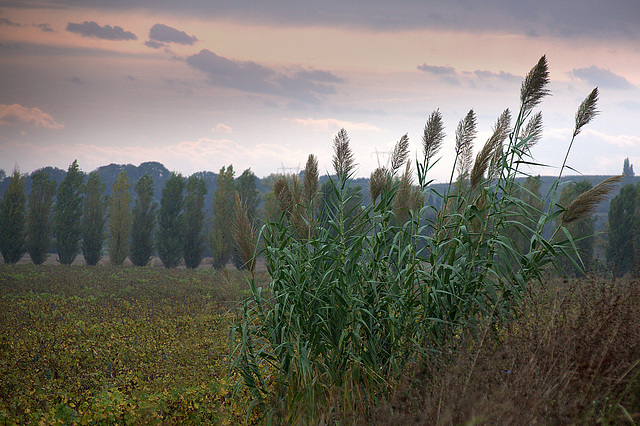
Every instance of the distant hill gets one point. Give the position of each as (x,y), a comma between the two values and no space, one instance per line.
(161,174)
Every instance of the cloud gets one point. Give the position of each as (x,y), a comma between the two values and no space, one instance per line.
(16,114)
(601,77)
(107,32)
(334,124)
(452,76)
(437,70)
(222,128)
(163,33)
(154,44)
(318,75)
(630,105)
(585,19)
(306,86)
(44,27)
(5,21)
(505,76)
(623,141)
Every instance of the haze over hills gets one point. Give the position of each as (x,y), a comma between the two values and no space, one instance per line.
(160,174)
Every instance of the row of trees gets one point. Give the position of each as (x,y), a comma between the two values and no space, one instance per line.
(81,218)
(78,219)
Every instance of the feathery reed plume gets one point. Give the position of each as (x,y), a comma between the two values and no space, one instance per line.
(465,133)
(400,153)
(587,111)
(532,131)
(533,87)
(283,194)
(244,235)
(407,198)
(433,136)
(310,185)
(378,182)
(343,161)
(500,132)
(586,202)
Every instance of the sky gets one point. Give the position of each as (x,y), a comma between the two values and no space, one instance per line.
(201,84)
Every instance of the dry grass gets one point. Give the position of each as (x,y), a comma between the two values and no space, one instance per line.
(573,357)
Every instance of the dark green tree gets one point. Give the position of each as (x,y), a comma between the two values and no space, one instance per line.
(627,169)
(144,220)
(12,220)
(94,219)
(120,220)
(67,220)
(39,216)
(582,230)
(624,221)
(246,186)
(220,238)
(170,233)
(194,242)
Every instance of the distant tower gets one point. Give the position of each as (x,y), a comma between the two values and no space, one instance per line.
(386,153)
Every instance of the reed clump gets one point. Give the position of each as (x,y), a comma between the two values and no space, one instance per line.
(359,293)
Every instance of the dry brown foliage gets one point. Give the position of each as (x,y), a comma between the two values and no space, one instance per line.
(572,358)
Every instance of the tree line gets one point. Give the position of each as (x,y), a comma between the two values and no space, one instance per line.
(77,217)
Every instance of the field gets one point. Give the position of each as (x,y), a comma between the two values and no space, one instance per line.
(103,345)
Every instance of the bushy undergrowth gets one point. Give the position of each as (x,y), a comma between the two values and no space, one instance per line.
(572,359)
(86,345)
(358,293)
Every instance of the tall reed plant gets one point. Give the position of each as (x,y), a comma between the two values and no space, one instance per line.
(356,296)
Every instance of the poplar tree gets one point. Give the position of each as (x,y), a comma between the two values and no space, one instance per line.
(144,220)
(221,239)
(39,216)
(194,242)
(170,234)
(246,187)
(120,220)
(12,220)
(627,168)
(624,231)
(67,226)
(94,219)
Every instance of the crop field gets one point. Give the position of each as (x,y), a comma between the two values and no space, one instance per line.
(102,345)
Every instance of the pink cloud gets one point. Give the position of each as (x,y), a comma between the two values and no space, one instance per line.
(223,128)
(15,114)
(333,124)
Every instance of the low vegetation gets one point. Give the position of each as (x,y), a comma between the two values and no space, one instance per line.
(114,345)
(571,358)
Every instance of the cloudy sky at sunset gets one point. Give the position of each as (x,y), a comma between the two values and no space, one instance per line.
(201,84)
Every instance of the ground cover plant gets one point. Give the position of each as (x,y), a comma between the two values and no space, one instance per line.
(358,294)
(114,345)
